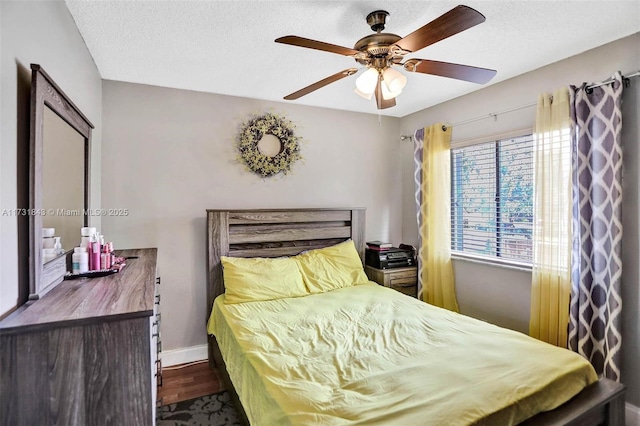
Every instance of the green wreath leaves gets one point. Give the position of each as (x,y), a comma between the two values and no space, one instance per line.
(253,130)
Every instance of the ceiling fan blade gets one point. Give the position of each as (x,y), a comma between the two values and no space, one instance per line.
(381,102)
(448,69)
(318,45)
(319,84)
(456,20)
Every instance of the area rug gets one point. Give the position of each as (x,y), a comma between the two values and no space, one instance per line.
(211,410)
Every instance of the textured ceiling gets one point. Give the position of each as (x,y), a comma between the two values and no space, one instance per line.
(227,47)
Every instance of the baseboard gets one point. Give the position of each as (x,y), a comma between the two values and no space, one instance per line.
(632,415)
(184,355)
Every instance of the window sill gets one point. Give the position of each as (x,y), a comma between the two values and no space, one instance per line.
(488,261)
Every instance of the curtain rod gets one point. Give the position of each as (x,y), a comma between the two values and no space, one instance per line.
(482,117)
(625,80)
(495,115)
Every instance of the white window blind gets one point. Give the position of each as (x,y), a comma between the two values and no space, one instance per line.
(492,199)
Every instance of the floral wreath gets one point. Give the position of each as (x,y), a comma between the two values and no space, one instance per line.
(253,130)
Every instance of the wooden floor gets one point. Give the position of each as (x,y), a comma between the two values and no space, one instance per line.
(188,381)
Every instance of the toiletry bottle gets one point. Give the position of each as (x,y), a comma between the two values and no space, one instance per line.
(75,261)
(90,252)
(84,260)
(111,253)
(95,255)
(80,260)
(86,235)
(57,246)
(106,251)
(105,258)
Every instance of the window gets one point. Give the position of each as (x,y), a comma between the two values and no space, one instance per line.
(492,199)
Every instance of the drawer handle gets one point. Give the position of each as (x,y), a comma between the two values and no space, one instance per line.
(157,302)
(158,281)
(159,346)
(159,371)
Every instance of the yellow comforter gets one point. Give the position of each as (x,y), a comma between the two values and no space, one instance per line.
(370,355)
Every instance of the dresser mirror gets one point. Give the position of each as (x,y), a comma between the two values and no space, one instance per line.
(59,181)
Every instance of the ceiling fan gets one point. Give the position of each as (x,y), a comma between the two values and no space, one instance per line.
(380,51)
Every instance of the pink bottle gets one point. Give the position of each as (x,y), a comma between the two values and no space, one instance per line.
(90,253)
(95,256)
(92,239)
(105,258)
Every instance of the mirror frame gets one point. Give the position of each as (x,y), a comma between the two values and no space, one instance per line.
(46,93)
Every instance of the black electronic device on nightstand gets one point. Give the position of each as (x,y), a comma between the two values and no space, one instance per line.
(390,258)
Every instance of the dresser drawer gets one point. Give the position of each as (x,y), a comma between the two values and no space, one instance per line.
(403,274)
(402,282)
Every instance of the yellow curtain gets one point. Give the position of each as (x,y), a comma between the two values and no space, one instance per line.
(551,278)
(436,270)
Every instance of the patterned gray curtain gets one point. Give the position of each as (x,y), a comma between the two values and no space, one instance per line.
(596,267)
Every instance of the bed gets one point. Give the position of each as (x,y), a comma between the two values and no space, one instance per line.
(276,233)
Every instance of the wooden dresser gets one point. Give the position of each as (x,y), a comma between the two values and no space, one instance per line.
(85,353)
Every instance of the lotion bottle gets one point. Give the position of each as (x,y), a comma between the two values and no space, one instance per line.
(95,254)
(80,260)
(90,253)
(105,258)
(57,246)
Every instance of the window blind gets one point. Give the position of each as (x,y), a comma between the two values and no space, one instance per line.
(492,199)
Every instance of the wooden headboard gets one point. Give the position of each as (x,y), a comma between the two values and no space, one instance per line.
(270,233)
(274,233)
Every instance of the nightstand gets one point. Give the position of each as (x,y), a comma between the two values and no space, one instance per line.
(405,280)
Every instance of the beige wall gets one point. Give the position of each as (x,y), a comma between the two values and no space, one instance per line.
(501,295)
(168,155)
(42,33)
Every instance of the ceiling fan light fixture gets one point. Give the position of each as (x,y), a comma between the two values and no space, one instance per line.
(380,52)
(394,80)
(367,96)
(367,82)
(388,94)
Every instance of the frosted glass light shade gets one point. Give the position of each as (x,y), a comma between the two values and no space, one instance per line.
(367,96)
(387,94)
(394,80)
(367,82)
